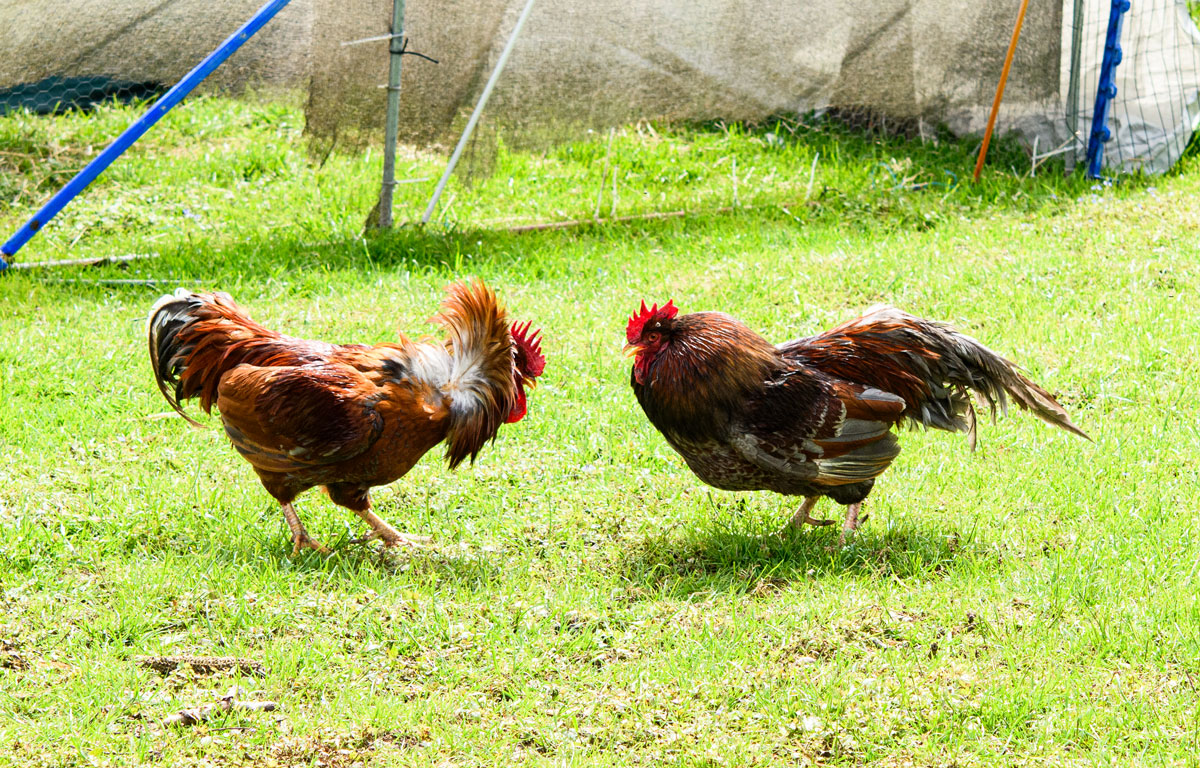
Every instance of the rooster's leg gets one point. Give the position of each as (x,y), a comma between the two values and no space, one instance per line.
(380,529)
(300,537)
(851,523)
(802,515)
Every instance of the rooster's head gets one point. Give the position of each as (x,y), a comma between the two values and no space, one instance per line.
(648,331)
(528,364)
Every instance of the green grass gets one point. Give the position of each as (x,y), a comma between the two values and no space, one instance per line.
(588,601)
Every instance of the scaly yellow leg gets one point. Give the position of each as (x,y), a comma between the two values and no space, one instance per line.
(300,537)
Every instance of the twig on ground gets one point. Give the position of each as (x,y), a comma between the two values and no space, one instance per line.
(164,665)
(613,211)
(604,173)
(812,176)
(581,222)
(733,172)
(72,281)
(230,701)
(92,262)
(567,224)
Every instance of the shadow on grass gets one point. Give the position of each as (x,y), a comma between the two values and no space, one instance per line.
(905,177)
(713,560)
(724,560)
(304,262)
(457,564)
(305,256)
(304,266)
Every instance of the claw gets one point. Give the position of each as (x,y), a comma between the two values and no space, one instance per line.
(391,537)
(802,515)
(852,522)
(409,540)
(395,539)
(300,538)
(304,541)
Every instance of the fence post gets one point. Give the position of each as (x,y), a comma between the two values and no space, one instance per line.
(1073,82)
(392,128)
(1008,60)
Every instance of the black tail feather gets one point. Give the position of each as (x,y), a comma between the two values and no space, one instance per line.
(169,316)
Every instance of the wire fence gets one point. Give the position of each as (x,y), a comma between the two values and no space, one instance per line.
(1157,103)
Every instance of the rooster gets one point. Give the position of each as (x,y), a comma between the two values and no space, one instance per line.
(813,417)
(351,416)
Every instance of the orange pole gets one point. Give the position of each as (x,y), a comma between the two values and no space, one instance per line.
(1012,49)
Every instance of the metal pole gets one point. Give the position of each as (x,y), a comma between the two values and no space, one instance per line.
(396,47)
(139,127)
(487,92)
(1073,83)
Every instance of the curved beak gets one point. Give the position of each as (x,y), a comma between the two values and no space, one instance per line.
(631,349)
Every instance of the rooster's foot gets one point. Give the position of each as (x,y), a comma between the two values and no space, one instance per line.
(395,539)
(408,540)
(389,535)
(802,515)
(852,522)
(300,538)
(304,541)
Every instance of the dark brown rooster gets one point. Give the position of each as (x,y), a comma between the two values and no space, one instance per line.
(351,416)
(813,417)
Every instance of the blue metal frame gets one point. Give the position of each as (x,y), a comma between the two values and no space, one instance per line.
(1107,88)
(135,131)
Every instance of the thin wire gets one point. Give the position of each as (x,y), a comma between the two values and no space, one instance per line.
(483,98)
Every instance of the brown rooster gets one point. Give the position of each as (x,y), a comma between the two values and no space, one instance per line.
(813,417)
(351,416)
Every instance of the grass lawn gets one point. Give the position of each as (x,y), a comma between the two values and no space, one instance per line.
(588,600)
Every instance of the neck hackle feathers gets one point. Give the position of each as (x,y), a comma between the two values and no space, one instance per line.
(484,389)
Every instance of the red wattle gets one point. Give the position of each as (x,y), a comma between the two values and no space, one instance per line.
(518,410)
(639,369)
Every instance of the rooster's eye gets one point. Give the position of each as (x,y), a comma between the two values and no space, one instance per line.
(653,337)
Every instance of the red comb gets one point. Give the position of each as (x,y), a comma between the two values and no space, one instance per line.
(633,331)
(530,360)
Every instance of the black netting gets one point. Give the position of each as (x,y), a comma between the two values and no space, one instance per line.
(915,65)
(60,54)
(55,94)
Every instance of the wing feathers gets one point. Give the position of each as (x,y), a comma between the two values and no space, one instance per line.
(286,418)
(866,461)
(822,431)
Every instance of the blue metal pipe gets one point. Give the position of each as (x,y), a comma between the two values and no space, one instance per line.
(1107,89)
(135,131)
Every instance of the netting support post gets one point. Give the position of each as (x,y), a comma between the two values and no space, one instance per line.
(1073,83)
(392,128)
(1107,89)
(134,132)
(483,98)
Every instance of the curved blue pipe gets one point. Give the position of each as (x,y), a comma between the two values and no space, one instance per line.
(135,131)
